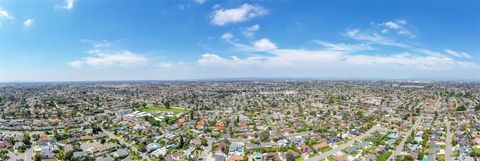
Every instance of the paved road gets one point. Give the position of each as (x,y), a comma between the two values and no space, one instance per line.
(343,146)
(238,140)
(26,156)
(231,125)
(298,134)
(206,150)
(399,148)
(448,142)
(275,130)
(111,135)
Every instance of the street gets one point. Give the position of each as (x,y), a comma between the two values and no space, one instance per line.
(343,146)
(448,142)
(399,147)
(206,150)
(275,130)
(26,156)
(111,135)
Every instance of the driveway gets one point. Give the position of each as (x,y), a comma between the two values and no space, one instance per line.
(27,156)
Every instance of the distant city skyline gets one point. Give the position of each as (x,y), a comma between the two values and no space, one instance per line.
(75,40)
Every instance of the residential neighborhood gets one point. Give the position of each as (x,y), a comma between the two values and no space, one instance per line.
(240,120)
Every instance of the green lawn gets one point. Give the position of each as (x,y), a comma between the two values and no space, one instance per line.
(476,150)
(175,110)
(384,156)
(326,149)
(155,159)
(198,153)
(455,153)
(441,157)
(135,157)
(354,153)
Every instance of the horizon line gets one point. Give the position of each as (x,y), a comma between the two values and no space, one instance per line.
(250,79)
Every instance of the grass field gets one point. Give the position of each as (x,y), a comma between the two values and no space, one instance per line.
(175,110)
(441,157)
(326,149)
(384,156)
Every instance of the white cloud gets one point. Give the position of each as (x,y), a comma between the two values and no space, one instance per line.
(342,55)
(260,45)
(29,22)
(98,44)
(102,56)
(253,28)
(234,15)
(264,45)
(281,58)
(67,5)
(403,60)
(76,63)
(302,58)
(215,60)
(391,25)
(250,31)
(4,16)
(227,36)
(372,38)
(344,47)
(458,54)
(315,59)
(200,1)
(430,52)
(123,58)
(397,26)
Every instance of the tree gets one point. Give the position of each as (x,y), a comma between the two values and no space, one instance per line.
(96,129)
(171,121)
(290,156)
(420,154)
(56,135)
(191,115)
(26,138)
(68,155)
(167,105)
(182,142)
(204,142)
(22,149)
(264,135)
(461,108)
(141,147)
(167,119)
(66,128)
(359,114)
(408,158)
(35,137)
(37,157)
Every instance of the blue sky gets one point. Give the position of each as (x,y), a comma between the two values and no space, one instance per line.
(78,40)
